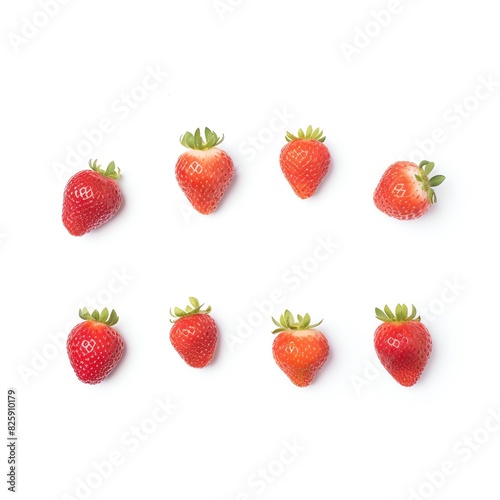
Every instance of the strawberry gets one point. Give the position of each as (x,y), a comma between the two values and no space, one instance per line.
(205,171)
(405,190)
(403,344)
(91,198)
(299,350)
(305,161)
(94,348)
(194,334)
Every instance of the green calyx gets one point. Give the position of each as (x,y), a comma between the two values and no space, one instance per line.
(315,134)
(287,322)
(194,308)
(112,171)
(401,316)
(196,141)
(103,317)
(425,168)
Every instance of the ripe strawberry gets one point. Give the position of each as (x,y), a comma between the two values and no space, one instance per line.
(405,190)
(299,350)
(194,334)
(205,171)
(305,161)
(403,344)
(91,198)
(94,348)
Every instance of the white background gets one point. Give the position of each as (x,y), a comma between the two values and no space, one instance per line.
(233,72)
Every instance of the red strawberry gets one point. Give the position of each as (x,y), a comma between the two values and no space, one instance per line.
(403,344)
(94,348)
(205,171)
(299,350)
(91,198)
(194,334)
(305,161)
(405,190)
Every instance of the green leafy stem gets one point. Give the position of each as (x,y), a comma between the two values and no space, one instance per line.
(193,308)
(196,141)
(401,316)
(311,134)
(425,168)
(112,171)
(103,317)
(287,322)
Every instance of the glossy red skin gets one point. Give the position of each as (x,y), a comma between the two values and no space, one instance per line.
(90,199)
(304,163)
(204,177)
(194,337)
(399,194)
(301,355)
(94,349)
(403,349)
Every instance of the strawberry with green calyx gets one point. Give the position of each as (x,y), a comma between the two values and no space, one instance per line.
(91,198)
(205,171)
(403,344)
(194,334)
(299,350)
(94,348)
(405,191)
(305,161)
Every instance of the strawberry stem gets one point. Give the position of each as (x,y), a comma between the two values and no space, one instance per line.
(194,308)
(309,134)
(195,141)
(401,314)
(112,171)
(424,169)
(287,322)
(102,317)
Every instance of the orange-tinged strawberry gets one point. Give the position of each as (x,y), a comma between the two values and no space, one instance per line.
(91,198)
(205,171)
(94,348)
(300,350)
(403,344)
(194,334)
(405,190)
(305,161)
